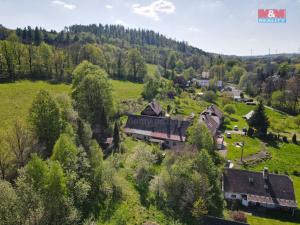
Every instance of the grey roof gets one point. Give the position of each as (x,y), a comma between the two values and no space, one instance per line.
(156,108)
(157,127)
(212,116)
(277,189)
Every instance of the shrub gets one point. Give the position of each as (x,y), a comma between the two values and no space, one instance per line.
(234,119)
(250,132)
(271,136)
(294,139)
(296,173)
(239,216)
(226,120)
(230,109)
(284,139)
(210,96)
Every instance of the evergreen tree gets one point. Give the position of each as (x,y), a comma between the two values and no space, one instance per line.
(259,120)
(37,36)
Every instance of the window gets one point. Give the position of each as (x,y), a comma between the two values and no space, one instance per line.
(251,181)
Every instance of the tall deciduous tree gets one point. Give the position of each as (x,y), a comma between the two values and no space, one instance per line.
(9,207)
(65,152)
(44,116)
(200,136)
(6,159)
(19,140)
(204,164)
(93,94)
(93,54)
(135,65)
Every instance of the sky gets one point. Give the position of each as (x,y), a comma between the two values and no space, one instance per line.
(219,26)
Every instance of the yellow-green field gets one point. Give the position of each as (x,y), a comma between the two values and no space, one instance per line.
(16,98)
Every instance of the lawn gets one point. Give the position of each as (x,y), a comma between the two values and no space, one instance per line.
(151,69)
(16,98)
(285,159)
(251,146)
(279,122)
(123,90)
(273,220)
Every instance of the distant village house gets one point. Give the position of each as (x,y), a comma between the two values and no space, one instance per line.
(152,109)
(154,127)
(213,118)
(262,189)
(162,130)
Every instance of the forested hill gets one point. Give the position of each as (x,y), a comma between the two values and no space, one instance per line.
(23,50)
(113,34)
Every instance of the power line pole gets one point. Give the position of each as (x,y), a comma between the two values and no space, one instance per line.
(242,153)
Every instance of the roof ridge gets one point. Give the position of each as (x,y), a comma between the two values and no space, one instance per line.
(273,174)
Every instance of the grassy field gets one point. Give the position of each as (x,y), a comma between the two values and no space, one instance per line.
(126,90)
(279,122)
(251,146)
(285,159)
(16,98)
(151,69)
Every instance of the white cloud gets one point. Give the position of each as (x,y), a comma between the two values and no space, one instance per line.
(64,4)
(193,29)
(121,22)
(152,10)
(109,6)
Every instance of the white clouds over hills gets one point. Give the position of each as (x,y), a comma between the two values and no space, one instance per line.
(152,11)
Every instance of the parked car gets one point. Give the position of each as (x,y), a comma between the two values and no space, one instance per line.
(235,128)
(228,135)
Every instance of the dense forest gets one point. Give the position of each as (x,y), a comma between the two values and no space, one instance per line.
(26,51)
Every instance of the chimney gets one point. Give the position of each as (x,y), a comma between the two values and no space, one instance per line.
(266,173)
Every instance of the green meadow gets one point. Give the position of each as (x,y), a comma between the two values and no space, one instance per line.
(16,98)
